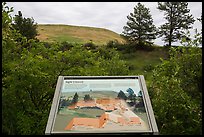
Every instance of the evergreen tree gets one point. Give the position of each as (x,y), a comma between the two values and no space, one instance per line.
(140,25)
(121,95)
(87,97)
(130,91)
(132,95)
(25,26)
(178,20)
(75,98)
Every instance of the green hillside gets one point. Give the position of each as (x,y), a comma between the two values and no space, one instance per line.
(94,94)
(79,34)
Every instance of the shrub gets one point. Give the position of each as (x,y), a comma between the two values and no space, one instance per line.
(89,45)
(65,46)
(148,67)
(176,92)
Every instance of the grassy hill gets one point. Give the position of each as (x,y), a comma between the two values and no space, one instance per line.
(79,34)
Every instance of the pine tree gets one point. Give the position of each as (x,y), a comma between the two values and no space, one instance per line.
(75,98)
(178,20)
(140,25)
(25,26)
(121,95)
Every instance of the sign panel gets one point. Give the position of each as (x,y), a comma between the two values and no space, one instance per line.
(106,104)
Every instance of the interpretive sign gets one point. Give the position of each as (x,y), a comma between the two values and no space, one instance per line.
(101,104)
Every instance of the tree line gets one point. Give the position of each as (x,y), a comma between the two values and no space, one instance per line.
(140,27)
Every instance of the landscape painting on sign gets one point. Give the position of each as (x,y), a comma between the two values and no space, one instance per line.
(98,105)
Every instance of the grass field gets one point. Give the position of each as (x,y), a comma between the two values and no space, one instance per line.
(142,62)
(79,34)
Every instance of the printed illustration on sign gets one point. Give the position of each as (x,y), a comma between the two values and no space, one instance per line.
(101,105)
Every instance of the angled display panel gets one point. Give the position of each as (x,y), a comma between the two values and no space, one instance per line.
(101,104)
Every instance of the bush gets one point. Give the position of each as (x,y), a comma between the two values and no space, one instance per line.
(113,44)
(130,46)
(89,45)
(132,67)
(145,46)
(176,92)
(118,46)
(148,67)
(65,46)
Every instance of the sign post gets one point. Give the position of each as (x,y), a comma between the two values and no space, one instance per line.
(101,105)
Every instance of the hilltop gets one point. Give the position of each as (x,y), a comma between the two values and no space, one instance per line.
(79,34)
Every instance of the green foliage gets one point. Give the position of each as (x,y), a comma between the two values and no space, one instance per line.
(178,20)
(196,41)
(90,45)
(125,48)
(140,25)
(8,55)
(29,72)
(113,44)
(66,46)
(176,91)
(6,18)
(26,26)
(145,46)
(148,67)
(111,62)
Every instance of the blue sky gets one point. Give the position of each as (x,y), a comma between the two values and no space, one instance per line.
(109,15)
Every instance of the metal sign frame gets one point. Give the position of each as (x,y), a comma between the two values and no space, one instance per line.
(146,99)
